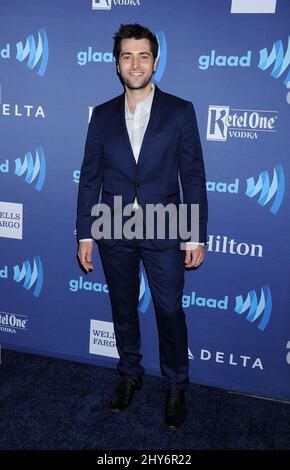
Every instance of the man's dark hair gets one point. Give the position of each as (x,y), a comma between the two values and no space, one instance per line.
(136,31)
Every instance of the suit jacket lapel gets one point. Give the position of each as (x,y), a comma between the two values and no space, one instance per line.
(120,107)
(153,121)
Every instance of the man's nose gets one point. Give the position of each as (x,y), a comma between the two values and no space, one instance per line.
(135,62)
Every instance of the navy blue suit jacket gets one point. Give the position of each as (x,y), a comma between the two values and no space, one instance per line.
(171,149)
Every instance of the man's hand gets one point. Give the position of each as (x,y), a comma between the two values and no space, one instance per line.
(85,255)
(194,256)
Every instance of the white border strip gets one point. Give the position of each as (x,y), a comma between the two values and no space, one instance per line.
(253,6)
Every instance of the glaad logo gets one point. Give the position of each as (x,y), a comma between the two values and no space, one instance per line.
(10,322)
(267,192)
(162,56)
(193,299)
(83,57)
(288,94)
(33,169)
(256,310)
(277,55)
(107,4)
(262,309)
(223,187)
(224,122)
(206,61)
(38,53)
(288,353)
(76,176)
(79,284)
(145,294)
(31,274)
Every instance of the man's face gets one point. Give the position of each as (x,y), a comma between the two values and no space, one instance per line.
(136,63)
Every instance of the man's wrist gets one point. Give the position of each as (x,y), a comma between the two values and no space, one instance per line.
(193,245)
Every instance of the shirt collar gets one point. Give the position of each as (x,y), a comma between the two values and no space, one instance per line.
(145,105)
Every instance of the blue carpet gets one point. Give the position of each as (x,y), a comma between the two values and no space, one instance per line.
(50,404)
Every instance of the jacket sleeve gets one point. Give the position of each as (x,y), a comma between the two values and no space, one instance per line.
(192,174)
(91,179)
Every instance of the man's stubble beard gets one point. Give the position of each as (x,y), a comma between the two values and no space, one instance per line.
(142,85)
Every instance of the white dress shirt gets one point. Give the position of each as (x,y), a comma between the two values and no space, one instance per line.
(137,122)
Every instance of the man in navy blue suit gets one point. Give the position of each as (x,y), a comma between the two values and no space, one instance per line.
(139,146)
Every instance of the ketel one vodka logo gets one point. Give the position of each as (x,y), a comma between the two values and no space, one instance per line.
(101,4)
(107,4)
(12,322)
(225,122)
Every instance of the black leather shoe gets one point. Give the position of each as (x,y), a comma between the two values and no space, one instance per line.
(175,409)
(124,393)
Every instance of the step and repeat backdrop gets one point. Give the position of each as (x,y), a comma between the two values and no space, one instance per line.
(231,59)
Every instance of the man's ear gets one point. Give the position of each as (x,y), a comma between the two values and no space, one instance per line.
(118,68)
(155,65)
